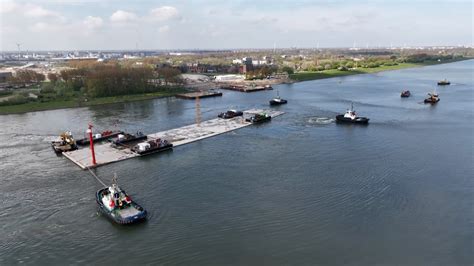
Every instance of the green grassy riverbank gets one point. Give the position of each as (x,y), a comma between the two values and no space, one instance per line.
(60,104)
(331,73)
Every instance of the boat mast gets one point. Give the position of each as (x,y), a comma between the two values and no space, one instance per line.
(114,179)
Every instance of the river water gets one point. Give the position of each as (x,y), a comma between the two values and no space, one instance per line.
(299,190)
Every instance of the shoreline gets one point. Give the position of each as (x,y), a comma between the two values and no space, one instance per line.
(296,77)
(333,73)
(58,105)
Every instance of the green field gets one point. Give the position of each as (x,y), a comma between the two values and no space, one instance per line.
(59,104)
(310,75)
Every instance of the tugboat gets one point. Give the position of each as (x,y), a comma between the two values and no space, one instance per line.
(432,98)
(230,114)
(125,138)
(278,100)
(405,94)
(105,135)
(65,143)
(351,117)
(259,118)
(152,146)
(443,82)
(118,206)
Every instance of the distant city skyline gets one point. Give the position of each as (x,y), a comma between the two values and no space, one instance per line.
(212,24)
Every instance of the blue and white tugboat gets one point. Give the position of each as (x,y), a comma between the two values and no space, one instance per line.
(351,117)
(118,206)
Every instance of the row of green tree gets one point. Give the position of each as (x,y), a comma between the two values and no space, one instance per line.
(115,79)
(26,76)
(99,80)
(260,72)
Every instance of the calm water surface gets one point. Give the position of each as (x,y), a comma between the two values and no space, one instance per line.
(300,190)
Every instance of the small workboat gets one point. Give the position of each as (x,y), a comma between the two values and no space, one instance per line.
(432,98)
(118,206)
(125,138)
(443,82)
(65,143)
(259,118)
(351,117)
(278,100)
(405,94)
(105,135)
(152,146)
(230,114)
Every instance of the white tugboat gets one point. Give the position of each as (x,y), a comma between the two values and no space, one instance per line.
(278,100)
(443,82)
(351,117)
(118,206)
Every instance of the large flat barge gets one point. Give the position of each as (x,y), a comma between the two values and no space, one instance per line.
(199,94)
(106,154)
(245,88)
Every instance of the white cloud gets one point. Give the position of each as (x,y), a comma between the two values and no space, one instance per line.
(6,7)
(121,16)
(164,13)
(164,29)
(42,27)
(93,22)
(29,11)
(34,11)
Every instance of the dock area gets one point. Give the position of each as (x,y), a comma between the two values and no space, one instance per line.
(245,88)
(106,154)
(199,94)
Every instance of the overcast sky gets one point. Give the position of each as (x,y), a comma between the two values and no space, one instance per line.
(220,24)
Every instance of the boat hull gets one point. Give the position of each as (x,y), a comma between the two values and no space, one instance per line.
(139,138)
(63,148)
(154,150)
(273,102)
(443,83)
(228,115)
(430,101)
(405,94)
(258,121)
(86,141)
(358,120)
(140,217)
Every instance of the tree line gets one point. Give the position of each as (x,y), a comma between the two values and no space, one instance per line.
(114,79)
(94,79)
(26,76)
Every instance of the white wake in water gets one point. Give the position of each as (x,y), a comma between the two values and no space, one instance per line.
(320,120)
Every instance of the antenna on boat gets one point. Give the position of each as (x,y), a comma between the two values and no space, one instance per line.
(114,179)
